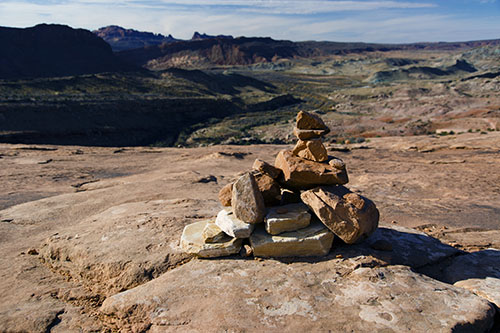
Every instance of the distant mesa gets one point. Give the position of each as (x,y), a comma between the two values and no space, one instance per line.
(50,50)
(122,39)
(203,51)
(125,39)
(198,36)
(58,50)
(211,52)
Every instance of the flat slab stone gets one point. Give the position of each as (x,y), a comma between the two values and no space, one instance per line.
(314,240)
(348,215)
(301,174)
(287,218)
(192,242)
(302,134)
(307,134)
(232,226)
(302,296)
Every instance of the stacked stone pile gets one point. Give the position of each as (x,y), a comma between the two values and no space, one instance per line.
(294,208)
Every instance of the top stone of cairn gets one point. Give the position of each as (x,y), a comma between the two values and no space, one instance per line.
(309,126)
(309,121)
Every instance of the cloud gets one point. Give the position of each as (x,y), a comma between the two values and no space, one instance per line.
(262,6)
(368,21)
(299,7)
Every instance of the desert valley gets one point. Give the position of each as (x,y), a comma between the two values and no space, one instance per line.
(113,141)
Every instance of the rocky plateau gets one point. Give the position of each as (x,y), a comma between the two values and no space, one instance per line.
(90,242)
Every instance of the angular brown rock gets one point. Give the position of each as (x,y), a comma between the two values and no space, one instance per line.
(266,168)
(302,174)
(270,189)
(309,134)
(225,195)
(247,201)
(348,215)
(310,121)
(313,150)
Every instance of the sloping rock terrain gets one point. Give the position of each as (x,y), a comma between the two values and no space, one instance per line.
(90,242)
(225,50)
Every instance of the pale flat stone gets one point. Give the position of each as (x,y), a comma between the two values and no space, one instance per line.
(213,234)
(313,150)
(301,174)
(348,215)
(247,200)
(232,226)
(315,240)
(192,242)
(287,218)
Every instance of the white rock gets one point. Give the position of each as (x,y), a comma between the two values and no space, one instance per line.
(232,226)
(287,218)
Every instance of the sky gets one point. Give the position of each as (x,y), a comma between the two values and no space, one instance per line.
(356,20)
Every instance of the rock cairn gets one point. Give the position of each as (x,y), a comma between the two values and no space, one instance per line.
(294,208)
